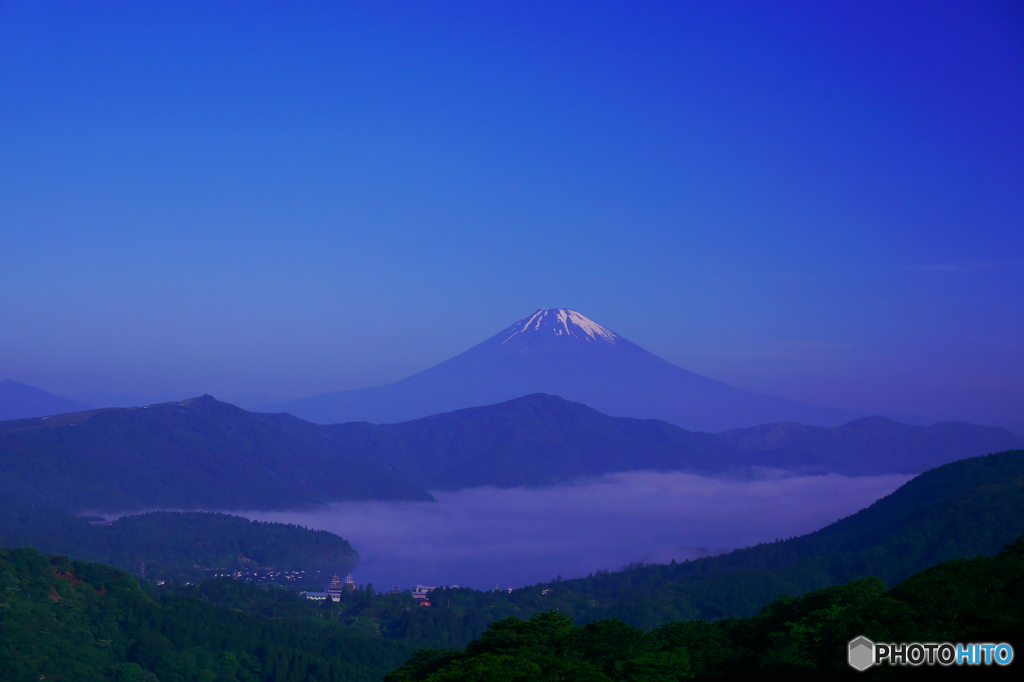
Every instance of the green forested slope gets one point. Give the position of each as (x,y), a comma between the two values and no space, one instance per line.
(79,622)
(172,543)
(979,600)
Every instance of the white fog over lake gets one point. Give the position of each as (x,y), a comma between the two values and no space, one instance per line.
(482,537)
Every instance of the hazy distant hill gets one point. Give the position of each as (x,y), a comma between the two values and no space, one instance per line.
(533,440)
(560,352)
(870,445)
(196,454)
(21,401)
(205,454)
(539,439)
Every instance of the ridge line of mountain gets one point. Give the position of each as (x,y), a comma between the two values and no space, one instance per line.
(201,453)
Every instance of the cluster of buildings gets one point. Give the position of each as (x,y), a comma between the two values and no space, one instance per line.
(337,588)
(333,591)
(420,593)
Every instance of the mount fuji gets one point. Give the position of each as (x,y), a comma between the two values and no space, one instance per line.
(561,352)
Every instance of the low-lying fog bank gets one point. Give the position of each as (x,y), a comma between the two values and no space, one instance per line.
(481,537)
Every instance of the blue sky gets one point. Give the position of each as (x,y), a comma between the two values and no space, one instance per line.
(268,200)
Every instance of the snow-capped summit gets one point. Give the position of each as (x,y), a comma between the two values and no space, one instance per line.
(561,352)
(562,322)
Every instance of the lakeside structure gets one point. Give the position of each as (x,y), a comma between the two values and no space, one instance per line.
(333,591)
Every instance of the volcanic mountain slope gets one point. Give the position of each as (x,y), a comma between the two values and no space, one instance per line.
(21,401)
(561,352)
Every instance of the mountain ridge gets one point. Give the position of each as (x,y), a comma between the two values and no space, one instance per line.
(561,352)
(205,454)
(194,454)
(20,401)
(870,442)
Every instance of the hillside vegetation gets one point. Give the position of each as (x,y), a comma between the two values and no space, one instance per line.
(805,638)
(722,616)
(74,621)
(173,544)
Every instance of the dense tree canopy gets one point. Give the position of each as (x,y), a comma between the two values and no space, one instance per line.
(805,638)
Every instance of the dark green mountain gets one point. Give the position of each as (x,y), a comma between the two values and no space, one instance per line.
(175,545)
(872,445)
(72,621)
(978,600)
(196,454)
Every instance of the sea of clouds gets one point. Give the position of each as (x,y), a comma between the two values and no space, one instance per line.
(483,537)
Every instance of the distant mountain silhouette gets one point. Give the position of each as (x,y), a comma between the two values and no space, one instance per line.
(561,352)
(193,454)
(541,439)
(530,441)
(21,401)
(205,454)
(870,445)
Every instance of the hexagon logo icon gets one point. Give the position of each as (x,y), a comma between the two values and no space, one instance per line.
(861,654)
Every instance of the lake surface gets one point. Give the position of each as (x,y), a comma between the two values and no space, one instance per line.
(482,537)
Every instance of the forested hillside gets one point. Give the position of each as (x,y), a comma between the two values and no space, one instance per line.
(74,621)
(103,625)
(805,638)
(179,546)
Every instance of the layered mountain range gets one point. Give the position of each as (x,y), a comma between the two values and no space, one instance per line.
(206,454)
(561,352)
(20,401)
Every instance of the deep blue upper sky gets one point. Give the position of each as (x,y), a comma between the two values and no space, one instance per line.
(269,200)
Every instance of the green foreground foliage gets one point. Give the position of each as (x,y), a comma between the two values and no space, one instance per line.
(80,622)
(801,638)
(70,620)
